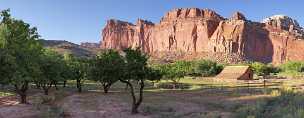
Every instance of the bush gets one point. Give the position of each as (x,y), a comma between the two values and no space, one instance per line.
(292,69)
(293,66)
(261,69)
(288,104)
(207,68)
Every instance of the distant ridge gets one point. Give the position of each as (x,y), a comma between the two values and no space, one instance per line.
(62,47)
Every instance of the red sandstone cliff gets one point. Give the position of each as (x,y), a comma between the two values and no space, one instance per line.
(202,31)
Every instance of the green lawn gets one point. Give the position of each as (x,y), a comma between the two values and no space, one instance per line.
(3,94)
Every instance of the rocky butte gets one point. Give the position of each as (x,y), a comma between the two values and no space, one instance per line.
(192,32)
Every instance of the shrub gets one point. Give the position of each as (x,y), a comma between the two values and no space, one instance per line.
(288,104)
(293,66)
(292,69)
(262,69)
(207,68)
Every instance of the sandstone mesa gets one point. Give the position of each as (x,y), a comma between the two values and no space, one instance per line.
(204,33)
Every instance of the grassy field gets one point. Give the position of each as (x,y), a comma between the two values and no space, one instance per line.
(4,93)
(201,98)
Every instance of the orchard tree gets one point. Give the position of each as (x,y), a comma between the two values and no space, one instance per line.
(176,71)
(51,66)
(19,42)
(136,69)
(77,69)
(7,67)
(107,68)
(68,72)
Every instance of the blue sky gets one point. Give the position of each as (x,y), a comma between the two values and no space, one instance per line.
(82,20)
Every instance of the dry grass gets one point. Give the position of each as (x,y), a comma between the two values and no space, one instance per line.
(206,98)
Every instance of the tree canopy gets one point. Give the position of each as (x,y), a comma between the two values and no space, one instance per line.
(107,68)
(18,42)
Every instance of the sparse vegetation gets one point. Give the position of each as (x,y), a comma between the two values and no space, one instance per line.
(286,104)
(292,69)
(183,87)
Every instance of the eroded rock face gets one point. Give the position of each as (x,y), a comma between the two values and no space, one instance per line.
(195,31)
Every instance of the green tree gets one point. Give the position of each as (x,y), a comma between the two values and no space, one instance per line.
(176,71)
(78,69)
(7,67)
(107,68)
(20,43)
(68,72)
(51,66)
(136,69)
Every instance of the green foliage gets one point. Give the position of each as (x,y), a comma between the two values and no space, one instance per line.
(207,68)
(136,69)
(76,69)
(79,67)
(288,104)
(292,68)
(18,42)
(135,64)
(176,71)
(107,68)
(262,69)
(51,68)
(8,66)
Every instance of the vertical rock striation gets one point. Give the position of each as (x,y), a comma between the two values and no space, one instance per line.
(203,31)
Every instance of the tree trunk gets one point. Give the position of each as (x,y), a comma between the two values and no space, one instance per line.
(22,92)
(140,99)
(55,84)
(46,91)
(64,83)
(46,87)
(37,85)
(78,82)
(174,84)
(127,86)
(135,103)
(23,99)
(106,87)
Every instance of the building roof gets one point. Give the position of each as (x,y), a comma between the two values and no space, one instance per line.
(233,72)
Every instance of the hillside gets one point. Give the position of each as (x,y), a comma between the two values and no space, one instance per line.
(68,47)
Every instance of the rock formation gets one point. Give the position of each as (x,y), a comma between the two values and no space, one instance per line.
(202,32)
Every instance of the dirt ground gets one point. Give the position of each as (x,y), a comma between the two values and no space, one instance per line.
(206,103)
(204,99)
